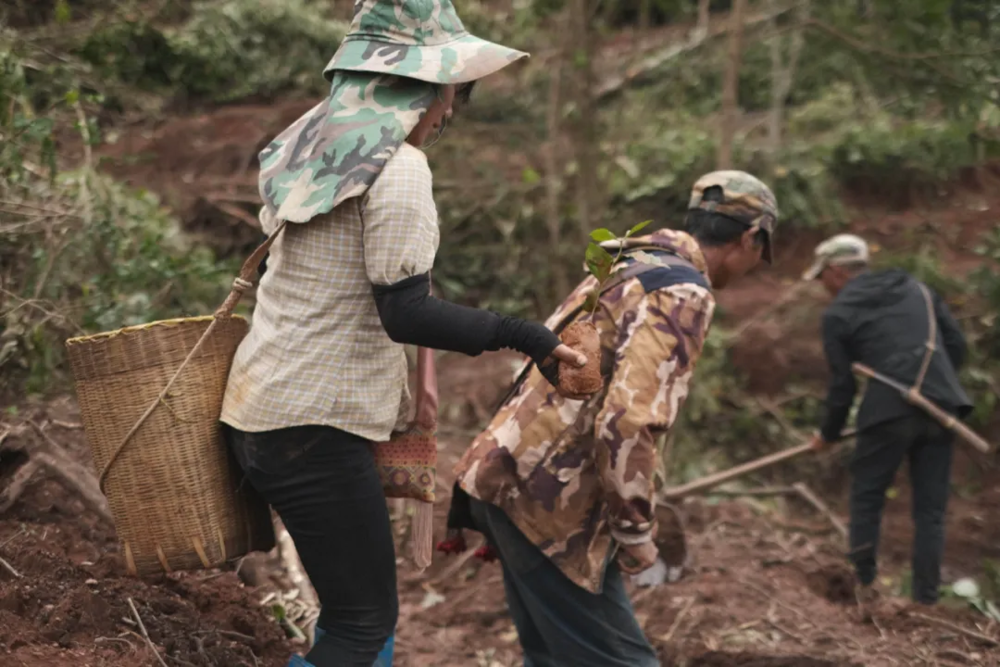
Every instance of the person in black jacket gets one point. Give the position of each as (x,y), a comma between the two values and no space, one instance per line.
(882,319)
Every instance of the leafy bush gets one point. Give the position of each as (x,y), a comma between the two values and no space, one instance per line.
(801,182)
(895,157)
(81,253)
(924,265)
(227,51)
(661,160)
(241,48)
(513,24)
(116,258)
(135,53)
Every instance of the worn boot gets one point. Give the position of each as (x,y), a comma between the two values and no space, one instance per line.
(866,596)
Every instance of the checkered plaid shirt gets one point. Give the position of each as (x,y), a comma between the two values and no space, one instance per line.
(316,352)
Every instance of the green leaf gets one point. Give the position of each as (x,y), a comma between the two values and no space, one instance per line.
(602,234)
(530,177)
(63,14)
(599,262)
(638,228)
(72,97)
(590,303)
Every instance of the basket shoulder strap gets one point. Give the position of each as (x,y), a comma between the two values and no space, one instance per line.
(244,280)
(931,343)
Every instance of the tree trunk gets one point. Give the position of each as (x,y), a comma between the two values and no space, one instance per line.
(775,117)
(703,15)
(644,11)
(730,86)
(783,73)
(582,38)
(553,179)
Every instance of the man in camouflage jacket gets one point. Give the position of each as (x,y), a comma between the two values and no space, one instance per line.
(559,487)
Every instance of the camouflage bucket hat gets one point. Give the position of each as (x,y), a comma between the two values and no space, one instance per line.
(382,80)
(419,39)
(744,198)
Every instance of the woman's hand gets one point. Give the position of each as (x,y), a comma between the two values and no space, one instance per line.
(568,355)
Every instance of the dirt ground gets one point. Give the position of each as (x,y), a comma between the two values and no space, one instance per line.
(761,588)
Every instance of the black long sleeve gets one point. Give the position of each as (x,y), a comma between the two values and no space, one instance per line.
(951,333)
(411,316)
(840,395)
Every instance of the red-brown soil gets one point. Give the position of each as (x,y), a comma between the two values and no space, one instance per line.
(758,589)
(70,604)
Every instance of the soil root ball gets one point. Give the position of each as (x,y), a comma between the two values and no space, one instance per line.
(583,382)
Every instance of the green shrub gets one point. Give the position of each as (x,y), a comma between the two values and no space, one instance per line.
(116,259)
(894,157)
(240,48)
(227,51)
(799,177)
(661,160)
(135,53)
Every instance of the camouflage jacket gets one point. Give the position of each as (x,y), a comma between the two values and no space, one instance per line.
(576,477)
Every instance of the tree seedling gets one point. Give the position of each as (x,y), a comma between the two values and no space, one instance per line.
(600,262)
(582,335)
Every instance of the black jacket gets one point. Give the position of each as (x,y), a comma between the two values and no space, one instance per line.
(880,319)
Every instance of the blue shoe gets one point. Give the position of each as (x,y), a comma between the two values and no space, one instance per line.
(299,661)
(384,658)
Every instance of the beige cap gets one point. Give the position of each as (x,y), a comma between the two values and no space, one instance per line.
(837,251)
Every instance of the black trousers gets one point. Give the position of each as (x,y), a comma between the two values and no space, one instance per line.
(558,623)
(879,454)
(323,484)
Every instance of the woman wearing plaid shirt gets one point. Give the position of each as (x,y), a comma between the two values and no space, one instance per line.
(322,373)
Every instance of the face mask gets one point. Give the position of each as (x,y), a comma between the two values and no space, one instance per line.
(437,137)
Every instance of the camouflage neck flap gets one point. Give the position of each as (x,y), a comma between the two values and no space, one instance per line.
(338,148)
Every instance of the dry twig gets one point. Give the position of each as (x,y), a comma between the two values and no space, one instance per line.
(231,634)
(10,568)
(20,533)
(770,596)
(807,494)
(18,483)
(453,568)
(958,628)
(145,635)
(99,640)
(677,621)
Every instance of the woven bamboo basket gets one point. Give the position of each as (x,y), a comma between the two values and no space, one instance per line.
(173,487)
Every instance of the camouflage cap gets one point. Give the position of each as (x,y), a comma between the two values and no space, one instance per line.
(382,81)
(420,39)
(837,251)
(744,198)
